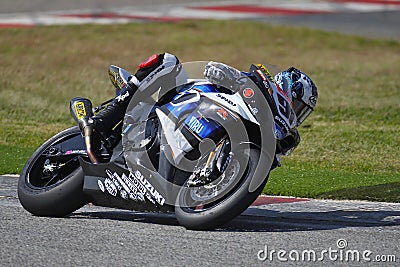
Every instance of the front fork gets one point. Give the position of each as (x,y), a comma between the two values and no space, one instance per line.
(217,162)
(219,159)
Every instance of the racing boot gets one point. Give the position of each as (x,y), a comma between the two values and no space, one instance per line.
(107,119)
(149,70)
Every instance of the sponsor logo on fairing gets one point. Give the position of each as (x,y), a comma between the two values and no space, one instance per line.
(222,113)
(134,187)
(266,84)
(111,187)
(248,93)
(265,71)
(253,110)
(261,74)
(150,188)
(101,186)
(230,102)
(195,125)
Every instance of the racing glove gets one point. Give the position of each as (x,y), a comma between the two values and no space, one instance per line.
(222,75)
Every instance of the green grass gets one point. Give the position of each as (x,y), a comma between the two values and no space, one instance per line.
(349,144)
(391,193)
(306,181)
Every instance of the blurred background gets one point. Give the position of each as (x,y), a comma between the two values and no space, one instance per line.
(374,18)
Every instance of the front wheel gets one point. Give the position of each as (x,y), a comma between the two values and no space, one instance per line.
(214,204)
(51,181)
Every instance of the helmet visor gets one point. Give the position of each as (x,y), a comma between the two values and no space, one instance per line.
(302,111)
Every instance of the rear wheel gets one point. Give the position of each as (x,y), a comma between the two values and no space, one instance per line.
(51,181)
(214,204)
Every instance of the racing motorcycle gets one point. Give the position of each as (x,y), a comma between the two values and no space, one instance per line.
(198,149)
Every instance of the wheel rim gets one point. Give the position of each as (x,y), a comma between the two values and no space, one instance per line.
(38,179)
(199,199)
(52,166)
(208,191)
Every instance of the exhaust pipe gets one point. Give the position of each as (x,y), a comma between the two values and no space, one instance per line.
(81,111)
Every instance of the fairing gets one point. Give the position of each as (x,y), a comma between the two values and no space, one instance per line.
(163,138)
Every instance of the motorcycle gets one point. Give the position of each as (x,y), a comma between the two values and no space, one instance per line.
(199,150)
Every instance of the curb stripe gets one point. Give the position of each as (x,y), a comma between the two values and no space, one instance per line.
(254,9)
(377,2)
(15,25)
(178,13)
(120,16)
(267,200)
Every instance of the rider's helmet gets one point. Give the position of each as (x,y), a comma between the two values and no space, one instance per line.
(300,89)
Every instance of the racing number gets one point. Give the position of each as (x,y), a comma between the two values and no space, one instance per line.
(284,107)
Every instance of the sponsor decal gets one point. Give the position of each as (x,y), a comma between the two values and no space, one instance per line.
(265,71)
(230,102)
(73,152)
(150,188)
(222,113)
(253,110)
(266,84)
(151,76)
(101,186)
(121,98)
(279,119)
(313,100)
(261,74)
(195,125)
(124,194)
(284,106)
(111,187)
(80,110)
(278,132)
(133,186)
(248,93)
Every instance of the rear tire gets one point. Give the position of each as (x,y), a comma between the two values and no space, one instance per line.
(61,195)
(222,210)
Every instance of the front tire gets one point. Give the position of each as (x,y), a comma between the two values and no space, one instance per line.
(192,214)
(57,193)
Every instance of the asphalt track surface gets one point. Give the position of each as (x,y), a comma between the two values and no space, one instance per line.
(96,236)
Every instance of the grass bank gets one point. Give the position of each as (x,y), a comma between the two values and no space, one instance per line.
(350,142)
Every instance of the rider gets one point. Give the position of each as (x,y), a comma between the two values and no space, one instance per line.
(293,88)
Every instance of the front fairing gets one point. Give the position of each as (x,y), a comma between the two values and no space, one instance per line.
(192,108)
